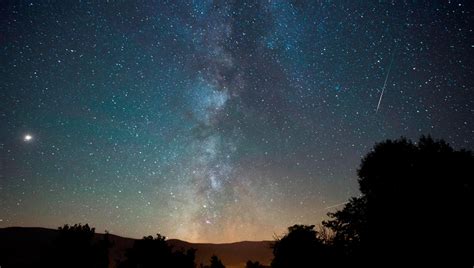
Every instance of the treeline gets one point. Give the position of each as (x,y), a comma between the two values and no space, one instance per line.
(76,247)
(415,209)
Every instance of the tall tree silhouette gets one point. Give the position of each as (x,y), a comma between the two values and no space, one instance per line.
(411,194)
(348,225)
(300,247)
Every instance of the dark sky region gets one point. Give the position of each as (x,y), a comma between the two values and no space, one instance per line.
(217,121)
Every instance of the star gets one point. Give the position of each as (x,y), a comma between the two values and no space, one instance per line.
(241,113)
(28,138)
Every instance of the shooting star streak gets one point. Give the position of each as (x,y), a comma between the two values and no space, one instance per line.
(385,83)
(336,205)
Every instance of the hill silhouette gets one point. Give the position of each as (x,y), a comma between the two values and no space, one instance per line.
(25,245)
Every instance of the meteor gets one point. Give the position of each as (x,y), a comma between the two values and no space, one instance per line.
(385,83)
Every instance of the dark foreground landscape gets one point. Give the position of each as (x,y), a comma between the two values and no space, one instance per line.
(415,208)
(24,247)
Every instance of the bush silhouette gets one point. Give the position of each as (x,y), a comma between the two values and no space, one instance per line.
(251,264)
(155,252)
(411,194)
(75,247)
(216,262)
(300,247)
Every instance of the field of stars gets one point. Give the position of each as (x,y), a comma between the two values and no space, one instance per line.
(217,121)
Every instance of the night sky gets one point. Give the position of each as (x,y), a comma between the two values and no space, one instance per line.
(217,121)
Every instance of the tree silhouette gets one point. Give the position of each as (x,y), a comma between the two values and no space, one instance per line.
(75,247)
(156,252)
(216,262)
(300,247)
(411,192)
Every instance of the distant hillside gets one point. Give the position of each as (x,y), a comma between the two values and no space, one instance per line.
(232,254)
(23,247)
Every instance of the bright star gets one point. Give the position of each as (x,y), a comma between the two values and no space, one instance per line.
(28,137)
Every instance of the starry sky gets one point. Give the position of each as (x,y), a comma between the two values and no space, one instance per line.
(217,121)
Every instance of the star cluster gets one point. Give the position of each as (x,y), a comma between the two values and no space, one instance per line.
(217,121)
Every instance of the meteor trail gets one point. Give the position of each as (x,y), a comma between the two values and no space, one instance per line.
(385,83)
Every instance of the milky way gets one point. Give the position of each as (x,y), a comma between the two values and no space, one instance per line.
(217,121)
